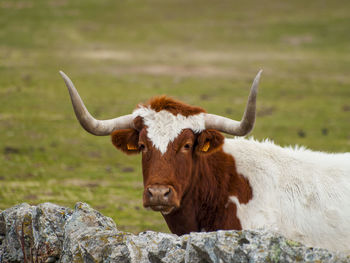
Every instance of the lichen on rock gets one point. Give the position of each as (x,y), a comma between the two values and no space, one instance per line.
(32,233)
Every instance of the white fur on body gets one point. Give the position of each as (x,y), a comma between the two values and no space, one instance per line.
(299,193)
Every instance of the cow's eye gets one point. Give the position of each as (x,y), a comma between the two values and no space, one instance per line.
(142,147)
(187,146)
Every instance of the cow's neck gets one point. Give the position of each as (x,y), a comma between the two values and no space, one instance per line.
(206,206)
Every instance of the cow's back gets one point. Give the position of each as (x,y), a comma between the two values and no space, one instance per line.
(302,194)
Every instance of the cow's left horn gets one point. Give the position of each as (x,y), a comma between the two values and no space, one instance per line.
(238,128)
(89,123)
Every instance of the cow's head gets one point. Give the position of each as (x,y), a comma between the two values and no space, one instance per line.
(171,136)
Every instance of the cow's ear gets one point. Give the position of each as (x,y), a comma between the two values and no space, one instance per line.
(209,141)
(126,140)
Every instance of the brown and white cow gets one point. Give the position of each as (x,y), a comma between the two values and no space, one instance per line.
(201,181)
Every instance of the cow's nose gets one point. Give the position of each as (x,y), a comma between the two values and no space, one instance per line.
(159,193)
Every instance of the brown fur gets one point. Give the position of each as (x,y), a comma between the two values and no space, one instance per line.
(173,106)
(138,123)
(205,205)
(122,138)
(202,182)
(214,138)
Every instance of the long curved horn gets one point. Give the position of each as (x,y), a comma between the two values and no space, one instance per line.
(89,123)
(238,128)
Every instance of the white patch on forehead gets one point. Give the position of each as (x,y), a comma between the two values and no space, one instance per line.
(163,127)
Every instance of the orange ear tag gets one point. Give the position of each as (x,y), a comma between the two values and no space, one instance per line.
(206,147)
(131,147)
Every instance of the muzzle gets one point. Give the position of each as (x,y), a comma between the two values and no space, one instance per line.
(161,198)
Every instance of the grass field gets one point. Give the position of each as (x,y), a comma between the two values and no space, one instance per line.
(120,53)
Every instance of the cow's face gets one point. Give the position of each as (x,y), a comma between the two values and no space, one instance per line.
(166,176)
(168,170)
(172,136)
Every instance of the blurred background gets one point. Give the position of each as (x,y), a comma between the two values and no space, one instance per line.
(120,53)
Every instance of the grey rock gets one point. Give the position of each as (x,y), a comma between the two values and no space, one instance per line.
(51,233)
(90,236)
(32,233)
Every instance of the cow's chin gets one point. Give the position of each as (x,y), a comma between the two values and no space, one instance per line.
(164,209)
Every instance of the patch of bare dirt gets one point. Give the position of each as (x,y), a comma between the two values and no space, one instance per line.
(128,169)
(30,197)
(298,40)
(58,3)
(15,4)
(346,108)
(265,111)
(107,54)
(181,71)
(183,63)
(188,56)
(83,183)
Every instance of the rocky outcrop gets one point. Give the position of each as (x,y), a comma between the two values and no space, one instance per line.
(51,233)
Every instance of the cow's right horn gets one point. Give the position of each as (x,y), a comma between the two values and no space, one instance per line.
(89,123)
(238,128)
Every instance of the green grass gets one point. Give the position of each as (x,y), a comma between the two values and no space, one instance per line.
(120,53)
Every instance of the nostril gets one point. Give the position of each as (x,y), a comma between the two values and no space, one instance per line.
(167,193)
(158,193)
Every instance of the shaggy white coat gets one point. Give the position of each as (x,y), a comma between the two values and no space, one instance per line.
(299,193)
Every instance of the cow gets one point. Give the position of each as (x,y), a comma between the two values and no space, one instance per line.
(201,181)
